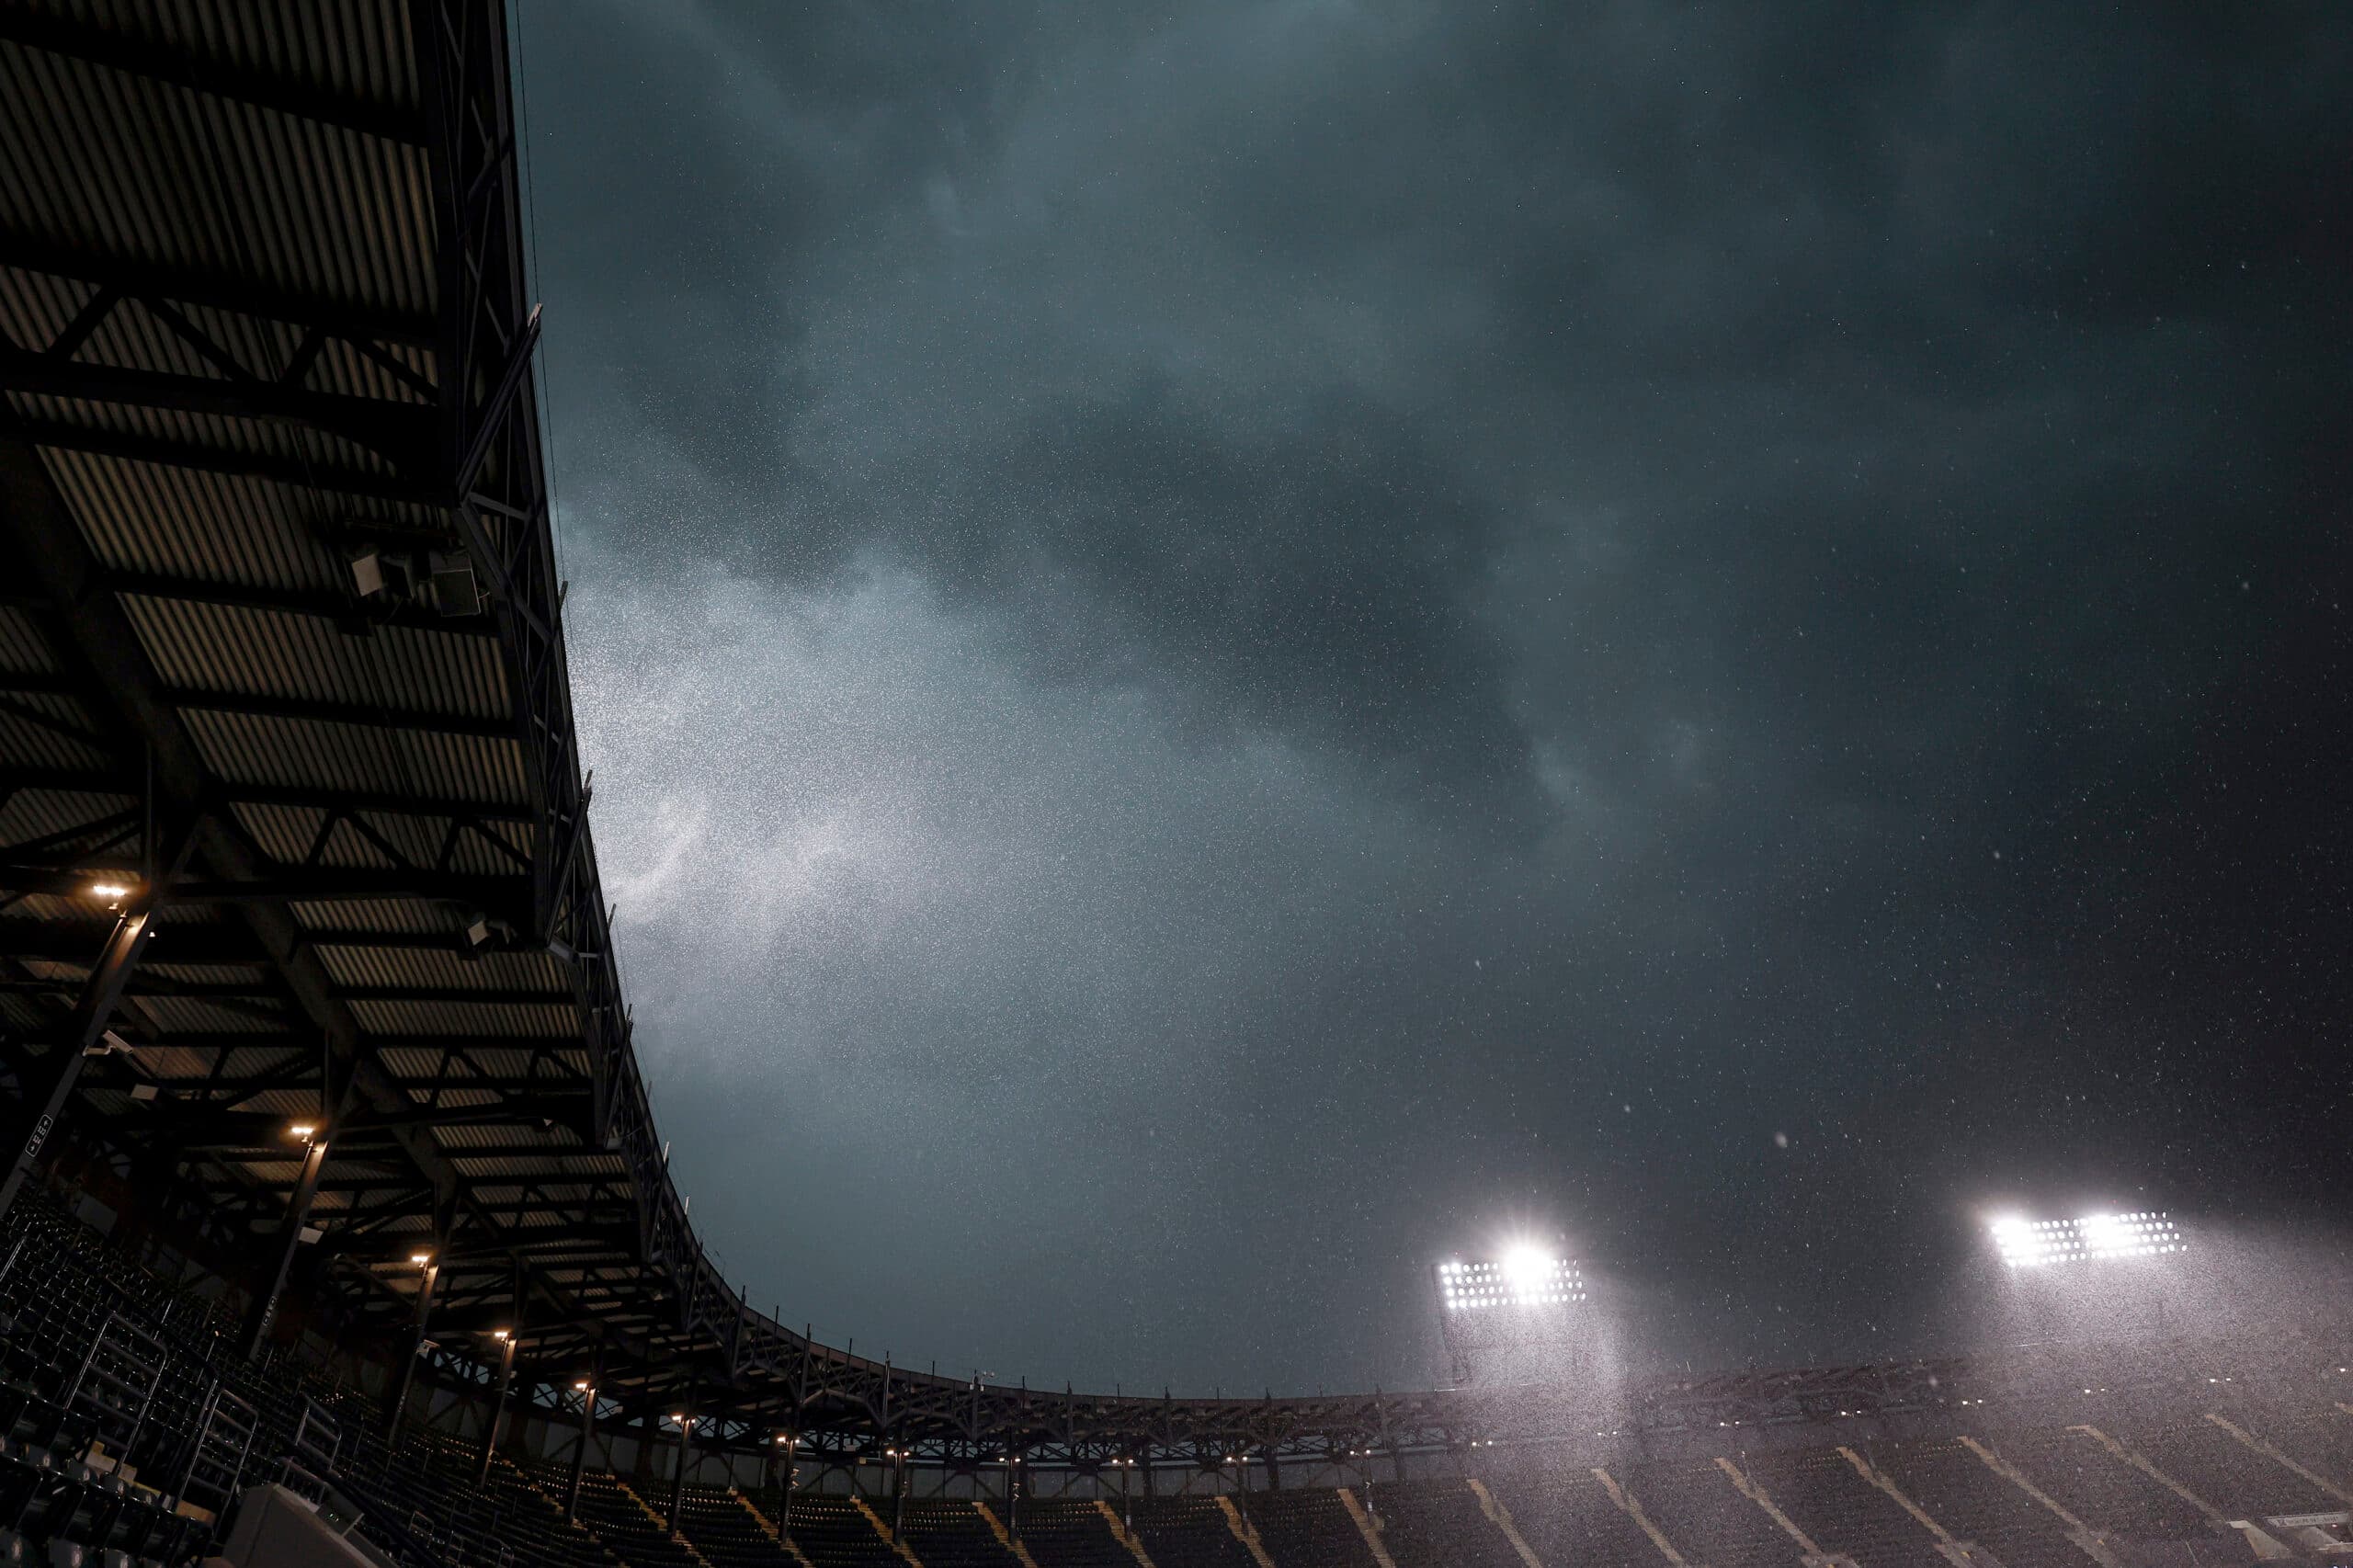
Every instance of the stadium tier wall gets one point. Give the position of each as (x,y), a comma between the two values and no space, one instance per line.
(130,1426)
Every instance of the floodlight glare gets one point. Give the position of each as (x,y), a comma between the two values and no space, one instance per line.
(2036,1243)
(1526,1276)
(109,889)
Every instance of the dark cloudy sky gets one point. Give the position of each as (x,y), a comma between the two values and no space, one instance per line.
(1228,645)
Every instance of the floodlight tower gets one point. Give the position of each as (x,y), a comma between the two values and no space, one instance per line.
(2094,1277)
(1511,1317)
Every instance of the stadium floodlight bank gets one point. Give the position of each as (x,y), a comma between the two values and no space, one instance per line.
(2038,1243)
(1512,1317)
(1517,1281)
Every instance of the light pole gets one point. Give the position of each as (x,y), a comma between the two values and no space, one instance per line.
(498,1422)
(429,1269)
(791,1443)
(586,1389)
(678,1482)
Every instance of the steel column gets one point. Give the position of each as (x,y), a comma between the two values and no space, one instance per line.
(263,1314)
(430,1278)
(686,1456)
(48,1087)
(587,1431)
(791,1472)
(493,1429)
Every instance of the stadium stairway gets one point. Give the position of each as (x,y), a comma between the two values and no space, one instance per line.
(1953,1485)
(2086,1477)
(504,1516)
(1569,1520)
(629,1527)
(724,1526)
(2234,1476)
(2320,1443)
(1707,1518)
(834,1532)
(1189,1532)
(1066,1533)
(1825,1495)
(952,1532)
(1308,1528)
(1440,1524)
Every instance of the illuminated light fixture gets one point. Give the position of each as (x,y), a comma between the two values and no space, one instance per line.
(582,1385)
(1526,1276)
(2038,1244)
(109,889)
(498,1333)
(303,1130)
(420,1258)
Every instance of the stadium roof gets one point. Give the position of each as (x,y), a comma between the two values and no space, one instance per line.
(281,654)
(282,647)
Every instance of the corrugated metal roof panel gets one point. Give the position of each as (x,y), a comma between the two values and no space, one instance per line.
(28,814)
(165,1060)
(268,652)
(23,650)
(358,49)
(36,307)
(237,440)
(528,1021)
(194,1015)
(209,973)
(444,967)
(132,337)
(29,742)
(248,748)
(389,917)
(202,528)
(133,167)
(480,1058)
(558,1140)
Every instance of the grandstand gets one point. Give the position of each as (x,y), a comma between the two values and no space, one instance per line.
(334,1168)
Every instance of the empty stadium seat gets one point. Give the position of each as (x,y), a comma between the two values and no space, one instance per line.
(1978,1504)
(1439,1524)
(1189,1532)
(1308,1528)
(1061,1533)
(1697,1507)
(1569,1518)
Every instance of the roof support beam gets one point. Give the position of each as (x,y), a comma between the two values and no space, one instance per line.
(399,432)
(90,629)
(503,897)
(45,1094)
(344,609)
(333,477)
(311,797)
(352,321)
(212,76)
(222,944)
(372,715)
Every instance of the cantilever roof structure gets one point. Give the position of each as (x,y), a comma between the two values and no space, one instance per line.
(281,653)
(281,658)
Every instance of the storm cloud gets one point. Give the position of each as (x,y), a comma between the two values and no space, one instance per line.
(1231,645)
